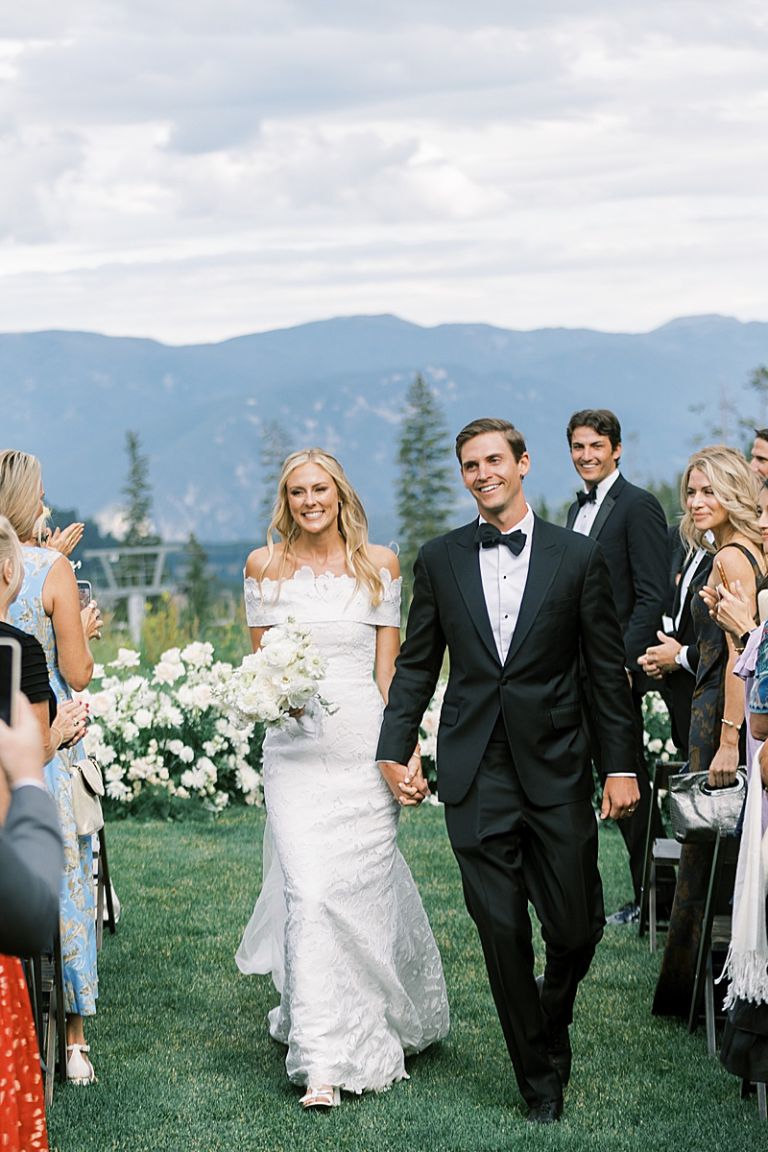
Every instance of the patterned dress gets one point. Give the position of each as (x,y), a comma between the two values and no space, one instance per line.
(22,1111)
(77,909)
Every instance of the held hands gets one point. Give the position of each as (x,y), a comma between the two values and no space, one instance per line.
(621,797)
(659,659)
(66,540)
(405,782)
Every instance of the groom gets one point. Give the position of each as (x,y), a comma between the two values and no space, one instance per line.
(515,601)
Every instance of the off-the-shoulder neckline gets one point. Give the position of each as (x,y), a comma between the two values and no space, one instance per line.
(306,573)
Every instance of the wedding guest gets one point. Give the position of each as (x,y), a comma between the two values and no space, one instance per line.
(674,658)
(58,725)
(629,524)
(759,455)
(48,606)
(339,923)
(30,869)
(720,495)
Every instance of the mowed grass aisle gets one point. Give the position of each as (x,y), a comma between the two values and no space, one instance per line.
(185,1063)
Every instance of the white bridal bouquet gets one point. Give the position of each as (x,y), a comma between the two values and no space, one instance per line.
(279,679)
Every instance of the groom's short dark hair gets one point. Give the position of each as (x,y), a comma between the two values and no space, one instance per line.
(512,435)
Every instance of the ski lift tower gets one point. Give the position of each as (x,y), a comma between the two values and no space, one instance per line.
(134,575)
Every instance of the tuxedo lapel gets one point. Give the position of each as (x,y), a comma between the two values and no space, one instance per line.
(546,555)
(606,507)
(465,564)
(572,513)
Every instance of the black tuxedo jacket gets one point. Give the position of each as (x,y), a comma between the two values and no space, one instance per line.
(632,531)
(566,609)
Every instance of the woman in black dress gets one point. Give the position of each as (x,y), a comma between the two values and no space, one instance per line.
(719,493)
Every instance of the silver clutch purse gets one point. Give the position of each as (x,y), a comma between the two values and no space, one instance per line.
(699,812)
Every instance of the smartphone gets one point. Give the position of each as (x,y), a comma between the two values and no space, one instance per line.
(723,577)
(10,675)
(86,592)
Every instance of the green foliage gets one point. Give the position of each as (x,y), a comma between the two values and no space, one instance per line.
(668,495)
(275,446)
(138,495)
(184,1060)
(425,491)
(198,586)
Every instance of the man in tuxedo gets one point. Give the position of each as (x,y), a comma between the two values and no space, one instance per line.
(516,601)
(674,659)
(758,461)
(630,526)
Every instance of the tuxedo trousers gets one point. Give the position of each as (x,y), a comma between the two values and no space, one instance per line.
(511,852)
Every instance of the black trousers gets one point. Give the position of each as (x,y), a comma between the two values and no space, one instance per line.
(511,852)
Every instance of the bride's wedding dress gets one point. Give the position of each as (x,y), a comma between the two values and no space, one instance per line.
(339,923)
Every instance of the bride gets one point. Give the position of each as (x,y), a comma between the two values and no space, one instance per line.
(339,923)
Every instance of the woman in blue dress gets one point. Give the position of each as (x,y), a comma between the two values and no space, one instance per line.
(48,607)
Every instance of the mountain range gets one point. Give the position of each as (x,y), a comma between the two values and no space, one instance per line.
(201,409)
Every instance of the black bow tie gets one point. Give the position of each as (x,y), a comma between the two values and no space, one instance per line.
(587,497)
(487,536)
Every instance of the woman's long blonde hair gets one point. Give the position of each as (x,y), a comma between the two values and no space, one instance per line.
(352,522)
(10,549)
(735,486)
(20,485)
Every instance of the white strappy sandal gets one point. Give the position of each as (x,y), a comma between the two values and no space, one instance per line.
(325,1097)
(79,1067)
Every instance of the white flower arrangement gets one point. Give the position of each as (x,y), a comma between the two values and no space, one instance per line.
(168,739)
(657,729)
(277,680)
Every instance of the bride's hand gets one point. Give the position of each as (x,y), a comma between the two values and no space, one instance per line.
(415,783)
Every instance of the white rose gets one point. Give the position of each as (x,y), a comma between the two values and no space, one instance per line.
(126,658)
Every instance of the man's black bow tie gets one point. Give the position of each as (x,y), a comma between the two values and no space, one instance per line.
(488,536)
(587,497)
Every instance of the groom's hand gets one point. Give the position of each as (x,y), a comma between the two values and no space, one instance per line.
(407,787)
(621,796)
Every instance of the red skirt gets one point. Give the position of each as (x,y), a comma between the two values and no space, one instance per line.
(22,1106)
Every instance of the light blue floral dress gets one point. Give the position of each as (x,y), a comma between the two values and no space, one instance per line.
(77,909)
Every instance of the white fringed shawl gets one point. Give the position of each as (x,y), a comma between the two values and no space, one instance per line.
(746,965)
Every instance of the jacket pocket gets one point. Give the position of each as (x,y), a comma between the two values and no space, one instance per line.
(449,714)
(566,716)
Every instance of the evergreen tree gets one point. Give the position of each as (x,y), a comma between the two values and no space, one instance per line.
(425,490)
(198,584)
(274,449)
(138,495)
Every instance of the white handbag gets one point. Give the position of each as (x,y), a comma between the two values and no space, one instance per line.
(87,790)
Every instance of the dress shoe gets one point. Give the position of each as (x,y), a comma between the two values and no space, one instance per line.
(545,1112)
(627,914)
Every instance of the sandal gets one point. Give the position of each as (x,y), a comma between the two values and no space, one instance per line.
(325,1097)
(79,1067)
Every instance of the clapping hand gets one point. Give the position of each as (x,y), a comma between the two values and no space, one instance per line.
(729,608)
(66,540)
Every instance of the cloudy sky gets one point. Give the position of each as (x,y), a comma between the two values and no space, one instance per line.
(196,169)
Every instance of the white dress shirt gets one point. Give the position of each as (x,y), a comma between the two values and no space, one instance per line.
(585,517)
(504,576)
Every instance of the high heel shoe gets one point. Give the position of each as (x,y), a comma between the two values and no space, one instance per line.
(79,1067)
(325,1097)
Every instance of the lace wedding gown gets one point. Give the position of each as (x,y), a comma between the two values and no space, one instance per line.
(339,923)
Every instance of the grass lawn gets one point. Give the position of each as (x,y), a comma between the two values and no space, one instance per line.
(185,1062)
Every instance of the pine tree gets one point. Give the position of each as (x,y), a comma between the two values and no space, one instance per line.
(138,495)
(274,449)
(425,491)
(197,584)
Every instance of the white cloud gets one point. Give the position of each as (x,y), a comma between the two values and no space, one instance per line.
(194,170)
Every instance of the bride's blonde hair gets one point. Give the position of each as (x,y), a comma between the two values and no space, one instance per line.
(352,522)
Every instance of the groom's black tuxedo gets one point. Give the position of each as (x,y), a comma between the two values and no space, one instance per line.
(514,767)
